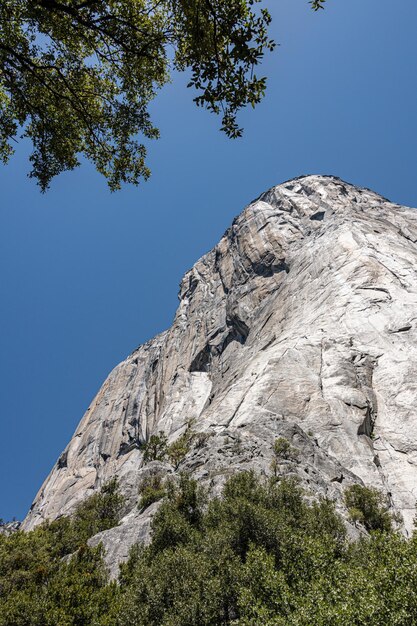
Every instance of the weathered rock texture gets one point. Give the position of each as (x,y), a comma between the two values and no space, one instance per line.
(302,323)
(9,528)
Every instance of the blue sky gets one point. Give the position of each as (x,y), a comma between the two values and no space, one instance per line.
(87,275)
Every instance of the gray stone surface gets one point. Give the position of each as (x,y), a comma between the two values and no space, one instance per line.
(8,528)
(301,322)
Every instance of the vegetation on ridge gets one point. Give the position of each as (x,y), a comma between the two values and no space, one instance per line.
(157,448)
(40,585)
(260,554)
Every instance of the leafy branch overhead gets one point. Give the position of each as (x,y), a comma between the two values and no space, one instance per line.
(317,4)
(77,76)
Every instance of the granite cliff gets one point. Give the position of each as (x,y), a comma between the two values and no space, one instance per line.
(301,323)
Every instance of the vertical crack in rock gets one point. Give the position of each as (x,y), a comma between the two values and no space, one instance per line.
(62,461)
(318,217)
(269,265)
(202,361)
(365,373)
(367,426)
(236,330)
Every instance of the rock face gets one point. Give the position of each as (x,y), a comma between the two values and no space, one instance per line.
(302,323)
(9,528)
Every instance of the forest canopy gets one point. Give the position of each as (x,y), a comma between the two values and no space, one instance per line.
(262,553)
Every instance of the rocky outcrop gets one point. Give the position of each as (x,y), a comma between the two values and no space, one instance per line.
(8,528)
(302,323)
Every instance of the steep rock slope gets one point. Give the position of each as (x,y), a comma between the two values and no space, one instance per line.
(301,322)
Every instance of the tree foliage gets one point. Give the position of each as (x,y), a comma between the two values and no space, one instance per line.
(155,449)
(41,584)
(151,490)
(261,553)
(369,507)
(317,4)
(77,76)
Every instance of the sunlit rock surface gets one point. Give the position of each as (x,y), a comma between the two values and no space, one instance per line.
(302,323)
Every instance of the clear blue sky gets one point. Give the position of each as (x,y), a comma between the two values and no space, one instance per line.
(86,276)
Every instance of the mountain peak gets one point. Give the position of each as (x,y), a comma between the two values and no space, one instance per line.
(300,323)
(330,193)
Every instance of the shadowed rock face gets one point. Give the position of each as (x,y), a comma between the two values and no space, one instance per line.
(302,323)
